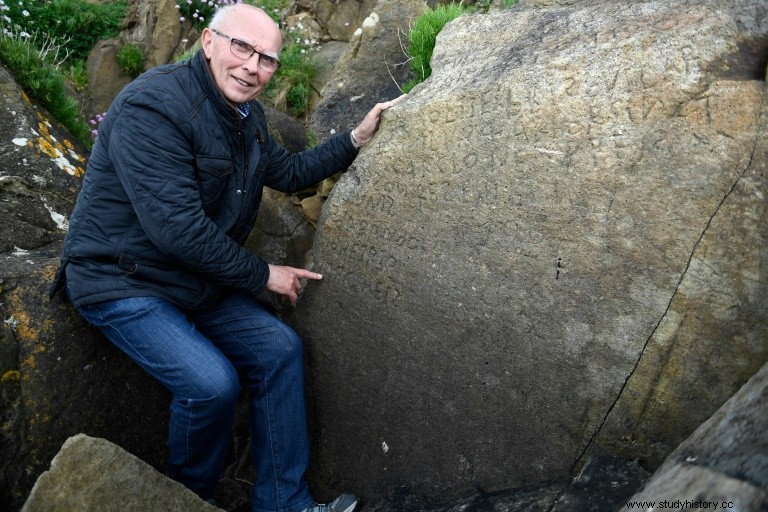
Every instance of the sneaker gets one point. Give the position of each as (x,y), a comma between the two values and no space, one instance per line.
(344,503)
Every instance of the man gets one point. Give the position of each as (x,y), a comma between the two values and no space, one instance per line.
(154,258)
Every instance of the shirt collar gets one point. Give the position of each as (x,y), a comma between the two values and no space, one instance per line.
(243,109)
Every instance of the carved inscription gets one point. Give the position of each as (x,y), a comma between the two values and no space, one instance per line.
(366,258)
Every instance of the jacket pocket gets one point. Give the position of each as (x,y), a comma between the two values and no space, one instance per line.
(169,280)
(213,174)
(127,263)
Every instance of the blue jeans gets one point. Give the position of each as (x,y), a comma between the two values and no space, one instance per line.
(198,355)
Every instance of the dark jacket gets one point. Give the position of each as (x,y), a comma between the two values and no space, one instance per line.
(172,189)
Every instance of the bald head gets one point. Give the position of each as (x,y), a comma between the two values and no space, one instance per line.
(238,42)
(260,19)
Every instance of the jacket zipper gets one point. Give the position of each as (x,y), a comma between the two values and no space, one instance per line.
(241,132)
(244,184)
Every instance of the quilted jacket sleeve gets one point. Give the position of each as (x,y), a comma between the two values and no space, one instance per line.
(291,172)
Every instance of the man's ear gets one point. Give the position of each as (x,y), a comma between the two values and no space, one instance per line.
(207,42)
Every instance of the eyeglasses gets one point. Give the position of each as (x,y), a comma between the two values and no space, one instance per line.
(243,50)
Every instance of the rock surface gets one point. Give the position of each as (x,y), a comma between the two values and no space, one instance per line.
(154,26)
(370,71)
(342,18)
(554,249)
(58,376)
(93,475)
(556,246)
(724,461)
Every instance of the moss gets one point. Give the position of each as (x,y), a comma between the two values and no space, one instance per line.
(11,376)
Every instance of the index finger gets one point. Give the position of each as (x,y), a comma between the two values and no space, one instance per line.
(385,105)
(306,274)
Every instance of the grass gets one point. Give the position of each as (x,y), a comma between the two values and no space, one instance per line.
(131,59)
(39,74)
(76,24)
(423,34)
(45,43)
(291,86)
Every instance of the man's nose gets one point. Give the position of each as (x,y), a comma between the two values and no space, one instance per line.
(252,62)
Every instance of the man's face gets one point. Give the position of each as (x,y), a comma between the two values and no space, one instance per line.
(241,80)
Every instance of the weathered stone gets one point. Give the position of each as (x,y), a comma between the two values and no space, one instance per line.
(342,18)
(303,28)
(163,37)
(286,130)
(59,377)
(688,487)
(558,237)
(154,26)
(282,235)
(105,78)
(538,499)
(38,176)
(725,459)
(326,57)
(603,485)
(713,335)
(94,475)
(370,71)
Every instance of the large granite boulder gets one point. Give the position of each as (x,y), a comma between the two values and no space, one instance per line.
(554,248)
(58,376)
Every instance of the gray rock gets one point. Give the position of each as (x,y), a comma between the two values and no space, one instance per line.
(603,485)
(154,26)
(341,18)
(725,459)
(94,475)
(538,499)
(370,71)
(689,487)
(58,376)
(554,247)
(105,78)
(327,56)
(286,130)
(282,234)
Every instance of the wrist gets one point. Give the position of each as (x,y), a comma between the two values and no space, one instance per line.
(355,141)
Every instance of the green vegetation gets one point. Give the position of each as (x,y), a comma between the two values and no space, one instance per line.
(422,38)
(38,73)
(423,35)
(291,85)
(77,75)
(131,59)
(45,43)
(73,24)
